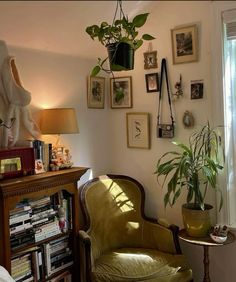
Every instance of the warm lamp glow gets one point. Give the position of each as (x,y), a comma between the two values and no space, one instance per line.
(59,121)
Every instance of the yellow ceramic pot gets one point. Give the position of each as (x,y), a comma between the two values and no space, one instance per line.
(197,222)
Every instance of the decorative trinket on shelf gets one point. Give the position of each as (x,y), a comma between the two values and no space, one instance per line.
(219,234)
(61,158)
(178,87)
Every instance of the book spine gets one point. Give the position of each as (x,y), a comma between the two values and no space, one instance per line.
(20,218)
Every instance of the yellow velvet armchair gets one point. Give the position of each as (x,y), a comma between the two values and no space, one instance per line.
(119,242)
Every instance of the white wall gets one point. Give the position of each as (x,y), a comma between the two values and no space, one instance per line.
(141,163)
(57,80)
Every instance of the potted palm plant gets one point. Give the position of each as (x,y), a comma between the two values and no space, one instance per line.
(121,40)
(194,167)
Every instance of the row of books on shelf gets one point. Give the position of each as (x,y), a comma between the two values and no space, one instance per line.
(43,262)
(36,220)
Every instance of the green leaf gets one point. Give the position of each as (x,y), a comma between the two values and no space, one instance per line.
(140,20)
(137,44)
(95,70)
(176,196)
(115,67)
(147,37)
(166,199)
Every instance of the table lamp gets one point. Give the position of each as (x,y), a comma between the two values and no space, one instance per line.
(59,121)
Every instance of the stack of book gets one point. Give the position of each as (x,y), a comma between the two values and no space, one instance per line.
(32,221)
(21,228)
(58,255)
(44,219)
(21,268)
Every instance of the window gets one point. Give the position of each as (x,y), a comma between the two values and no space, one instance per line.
(229,84)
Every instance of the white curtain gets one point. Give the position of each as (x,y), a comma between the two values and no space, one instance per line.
(229,20)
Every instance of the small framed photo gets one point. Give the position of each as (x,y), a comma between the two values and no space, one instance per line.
(150,60)
(152,83)
(137,125)
(196,89)
(39,167)
(96,92)
(184,44)
(121,92)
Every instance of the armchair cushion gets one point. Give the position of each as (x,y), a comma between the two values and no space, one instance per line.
(139,264)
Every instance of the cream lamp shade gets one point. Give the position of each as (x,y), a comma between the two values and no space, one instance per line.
(59,121)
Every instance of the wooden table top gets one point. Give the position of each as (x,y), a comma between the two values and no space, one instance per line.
(204,241)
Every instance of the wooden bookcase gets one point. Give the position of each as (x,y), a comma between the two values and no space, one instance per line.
(14,191)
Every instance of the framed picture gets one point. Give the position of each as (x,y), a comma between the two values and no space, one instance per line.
(196,89)
(152,83)
(184,44)
(137,125)
(150,60)
(39,167)
(121,92)
(96,92)
(188,119)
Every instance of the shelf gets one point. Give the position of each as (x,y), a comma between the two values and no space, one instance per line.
(27,248)
(32,188)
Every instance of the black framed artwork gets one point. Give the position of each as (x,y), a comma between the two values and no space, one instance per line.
(152,82)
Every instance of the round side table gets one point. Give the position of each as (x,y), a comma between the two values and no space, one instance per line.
(206,242)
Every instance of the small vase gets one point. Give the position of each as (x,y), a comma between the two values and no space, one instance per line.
(197,222)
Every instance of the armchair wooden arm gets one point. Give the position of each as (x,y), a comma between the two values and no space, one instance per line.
(85,256)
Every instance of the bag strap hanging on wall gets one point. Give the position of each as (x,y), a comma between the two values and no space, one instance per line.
(164,130)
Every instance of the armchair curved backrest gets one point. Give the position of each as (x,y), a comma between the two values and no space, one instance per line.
(114,210)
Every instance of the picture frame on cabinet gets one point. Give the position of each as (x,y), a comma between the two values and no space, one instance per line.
(138,130)
(150,60)
(96,92)
(152,83)
(121,92)
(184,44)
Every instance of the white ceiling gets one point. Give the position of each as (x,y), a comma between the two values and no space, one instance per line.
(59,26)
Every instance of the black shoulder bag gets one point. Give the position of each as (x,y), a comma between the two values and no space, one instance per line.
(164,130)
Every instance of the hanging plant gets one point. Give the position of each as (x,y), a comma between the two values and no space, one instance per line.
(121,40)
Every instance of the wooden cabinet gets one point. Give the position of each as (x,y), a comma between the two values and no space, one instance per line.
(31,189)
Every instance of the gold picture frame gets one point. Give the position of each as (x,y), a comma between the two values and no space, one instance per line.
(96,92)
(150,60)
(184,44)
(121,92)
(138,130)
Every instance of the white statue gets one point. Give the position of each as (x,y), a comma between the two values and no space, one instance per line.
(14,100)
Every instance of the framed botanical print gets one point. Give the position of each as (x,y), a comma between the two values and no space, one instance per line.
(184,44)
(96,92)
(137,125)
(121,92)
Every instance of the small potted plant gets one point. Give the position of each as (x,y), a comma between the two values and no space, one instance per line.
(121,40)
(194,167)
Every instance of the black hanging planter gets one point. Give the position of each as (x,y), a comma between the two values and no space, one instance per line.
(121,56)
